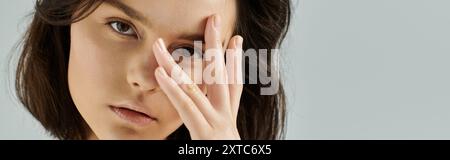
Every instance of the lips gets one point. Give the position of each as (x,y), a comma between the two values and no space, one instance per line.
(132,114)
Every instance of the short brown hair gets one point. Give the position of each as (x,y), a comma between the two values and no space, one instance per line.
(41,75)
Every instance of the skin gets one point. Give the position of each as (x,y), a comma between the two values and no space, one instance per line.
(110,66)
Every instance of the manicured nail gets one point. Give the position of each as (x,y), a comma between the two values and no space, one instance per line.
(217,21)
(238,42)
(161,45)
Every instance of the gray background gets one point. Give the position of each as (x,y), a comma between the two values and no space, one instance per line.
(353,69)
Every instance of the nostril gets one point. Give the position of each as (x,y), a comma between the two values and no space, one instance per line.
(135,84)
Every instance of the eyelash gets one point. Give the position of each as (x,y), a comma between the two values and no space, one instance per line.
(114,24)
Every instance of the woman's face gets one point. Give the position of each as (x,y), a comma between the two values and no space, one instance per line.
(112,65)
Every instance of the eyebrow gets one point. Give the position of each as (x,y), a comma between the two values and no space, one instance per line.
(134,14)
(129,11)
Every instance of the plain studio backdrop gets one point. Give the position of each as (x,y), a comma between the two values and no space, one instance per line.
(353,69)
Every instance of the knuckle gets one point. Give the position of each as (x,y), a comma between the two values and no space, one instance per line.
(191,88)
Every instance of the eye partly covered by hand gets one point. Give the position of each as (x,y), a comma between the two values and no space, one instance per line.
(188,51)
(211,116)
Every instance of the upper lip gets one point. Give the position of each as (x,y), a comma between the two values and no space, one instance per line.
(134,107)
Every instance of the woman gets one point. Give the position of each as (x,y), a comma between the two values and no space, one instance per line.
(103,69)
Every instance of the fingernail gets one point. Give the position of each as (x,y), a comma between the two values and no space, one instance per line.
(238,42)
(216,21)
(161,45)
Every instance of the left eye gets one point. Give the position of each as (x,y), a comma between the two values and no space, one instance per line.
(122,28)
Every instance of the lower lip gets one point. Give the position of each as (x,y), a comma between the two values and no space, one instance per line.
(132,116)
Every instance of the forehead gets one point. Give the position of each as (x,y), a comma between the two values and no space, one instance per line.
(191,15)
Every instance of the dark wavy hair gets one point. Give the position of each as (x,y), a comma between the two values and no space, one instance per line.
(41,77)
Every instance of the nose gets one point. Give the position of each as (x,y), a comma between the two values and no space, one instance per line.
(140,73)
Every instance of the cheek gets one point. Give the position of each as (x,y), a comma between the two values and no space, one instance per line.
(94,66)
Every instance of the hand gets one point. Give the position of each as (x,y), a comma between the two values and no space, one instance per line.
(213,116)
